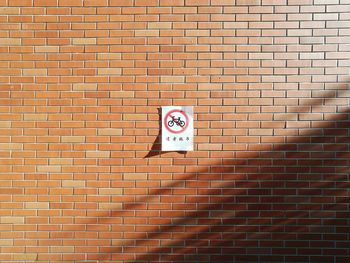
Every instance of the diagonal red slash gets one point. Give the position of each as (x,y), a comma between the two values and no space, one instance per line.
(169,115)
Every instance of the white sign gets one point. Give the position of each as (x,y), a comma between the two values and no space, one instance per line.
(177,128)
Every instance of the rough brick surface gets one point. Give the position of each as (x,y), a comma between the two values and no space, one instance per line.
(82,178)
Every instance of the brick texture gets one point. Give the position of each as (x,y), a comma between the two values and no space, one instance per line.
(82,177)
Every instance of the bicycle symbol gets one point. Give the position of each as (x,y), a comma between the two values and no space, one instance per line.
(176,121)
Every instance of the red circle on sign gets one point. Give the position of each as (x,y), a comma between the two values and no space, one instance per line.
(169,115)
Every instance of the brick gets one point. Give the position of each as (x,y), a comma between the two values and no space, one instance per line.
(171,2)
(45,2)
(73,184)
(49,169)
(5,242)
(10,41)
(84,86)
(97,154)
(25,257)
(109,206)
(37,205)
(70,2)
(35,117)
(84,41)
(146,33)
(138,176)
(46,49)
(11,146)
(110,191)
(12,220)
(5,124)
(121,2)
(109,71)
(34,72)
(109,132)
(197,2)
(95,2)
(72,139)
(20,2)
(10,10)
(146,2)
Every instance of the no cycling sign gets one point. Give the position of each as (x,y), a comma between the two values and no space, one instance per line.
(177,128)
(176,121)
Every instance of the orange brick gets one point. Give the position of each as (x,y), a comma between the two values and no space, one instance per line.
(95,2)
(46,49)
(109,71)
(20,2)
(45,2)
(121,2)
(171,2)
(146,2)
(70,2)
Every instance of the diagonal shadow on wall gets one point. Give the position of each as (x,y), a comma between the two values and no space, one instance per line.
(278,206)
(288,204)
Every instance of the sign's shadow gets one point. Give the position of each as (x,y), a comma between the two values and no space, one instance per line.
(156,148)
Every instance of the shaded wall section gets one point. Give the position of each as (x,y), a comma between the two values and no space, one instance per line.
(82,177)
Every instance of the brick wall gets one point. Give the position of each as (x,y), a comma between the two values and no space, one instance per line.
(82,176)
